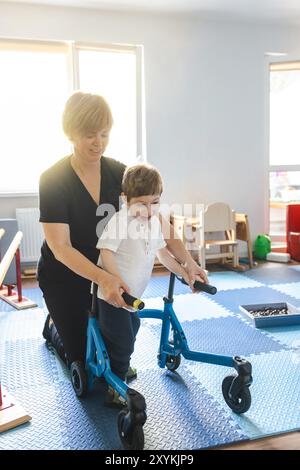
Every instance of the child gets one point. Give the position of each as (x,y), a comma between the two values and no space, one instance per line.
(128,246)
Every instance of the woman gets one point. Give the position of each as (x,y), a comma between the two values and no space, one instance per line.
(70,193)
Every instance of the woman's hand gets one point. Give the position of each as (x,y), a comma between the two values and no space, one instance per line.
(194,273)
(112,288)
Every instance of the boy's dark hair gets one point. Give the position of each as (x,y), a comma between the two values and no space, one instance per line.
(141,180)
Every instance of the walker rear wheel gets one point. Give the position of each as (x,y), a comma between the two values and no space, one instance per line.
(79,378)
(242,402)
(134,440)
(173,362)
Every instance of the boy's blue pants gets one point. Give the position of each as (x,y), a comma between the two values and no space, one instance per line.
(118,328)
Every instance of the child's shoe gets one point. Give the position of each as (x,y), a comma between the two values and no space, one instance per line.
(131,374)
(113,399)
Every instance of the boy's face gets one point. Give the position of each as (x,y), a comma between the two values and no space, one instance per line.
(144,206)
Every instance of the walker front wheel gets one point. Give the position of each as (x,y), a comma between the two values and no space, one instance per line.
(134,440)
(79,378)
(242,402)
(173,362)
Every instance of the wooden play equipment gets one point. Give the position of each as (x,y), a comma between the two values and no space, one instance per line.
(16,299)
(11,413)
(216,227)
(243,233)
(218,218)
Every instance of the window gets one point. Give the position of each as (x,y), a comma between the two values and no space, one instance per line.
(100,72)
(35,81)
(33,88)
(284,181)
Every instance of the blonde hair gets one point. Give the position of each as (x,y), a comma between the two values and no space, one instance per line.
(141,180)
(85,112)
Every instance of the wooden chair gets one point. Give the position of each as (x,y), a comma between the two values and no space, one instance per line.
(243,233)
(217,229)
(186,228)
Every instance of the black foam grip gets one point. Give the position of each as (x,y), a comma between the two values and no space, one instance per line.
(198,285)
(133,301)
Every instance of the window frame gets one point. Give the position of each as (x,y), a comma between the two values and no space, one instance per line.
(282,62)
(71,49)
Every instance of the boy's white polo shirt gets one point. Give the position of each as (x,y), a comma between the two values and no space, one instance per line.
(135,242)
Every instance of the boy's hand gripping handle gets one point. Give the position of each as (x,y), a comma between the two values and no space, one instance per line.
(133,301)
(198,285)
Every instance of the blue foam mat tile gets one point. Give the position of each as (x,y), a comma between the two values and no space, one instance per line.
(254,295)
(158,287)
(34,294)
(189,307)
(296,268)
(22,324)
(226,280)
(5,307)
(95,424)
(2,356)
(182,415)
(292,289)
(26,363)
(146,348)
(288,335)
(41,383)
(191,418)
(229,336)
(275,392)
(272,273)
(45,430)
(176,395)
(61,372)
(153,303)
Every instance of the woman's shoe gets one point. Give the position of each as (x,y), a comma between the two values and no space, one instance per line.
(53,339)
(47,329)
(57,344)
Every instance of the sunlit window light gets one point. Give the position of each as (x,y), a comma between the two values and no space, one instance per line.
(34,86)
(284,117)
(100,72)
(33,89)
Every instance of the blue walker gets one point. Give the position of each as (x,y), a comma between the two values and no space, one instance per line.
(235,387)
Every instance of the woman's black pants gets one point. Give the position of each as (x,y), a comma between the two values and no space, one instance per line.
(68,306)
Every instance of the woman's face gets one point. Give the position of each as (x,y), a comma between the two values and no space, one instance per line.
(91,146)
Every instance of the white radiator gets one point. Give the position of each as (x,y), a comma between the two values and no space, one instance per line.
(28,223)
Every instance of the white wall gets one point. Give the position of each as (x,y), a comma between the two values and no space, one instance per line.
(206,115)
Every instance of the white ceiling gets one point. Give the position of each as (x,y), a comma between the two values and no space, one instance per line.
(270,10)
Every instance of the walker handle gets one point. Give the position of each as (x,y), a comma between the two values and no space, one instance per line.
(198,285)
(133,301)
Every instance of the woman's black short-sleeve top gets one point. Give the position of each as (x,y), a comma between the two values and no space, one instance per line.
(64,199)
